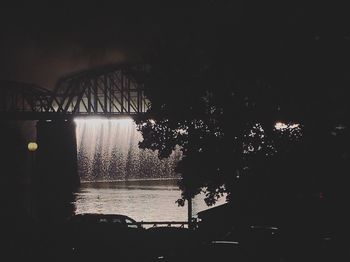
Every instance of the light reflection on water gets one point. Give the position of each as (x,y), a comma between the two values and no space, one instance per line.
(151,200)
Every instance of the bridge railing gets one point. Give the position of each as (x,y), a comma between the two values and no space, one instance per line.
(180,224)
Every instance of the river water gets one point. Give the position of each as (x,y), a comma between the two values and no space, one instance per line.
(143,200)
(135,181)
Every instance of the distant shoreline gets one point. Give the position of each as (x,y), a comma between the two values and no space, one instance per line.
(130,180)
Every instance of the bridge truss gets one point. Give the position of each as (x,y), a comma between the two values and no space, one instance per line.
(106,91)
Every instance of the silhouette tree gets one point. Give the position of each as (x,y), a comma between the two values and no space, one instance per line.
(217,90)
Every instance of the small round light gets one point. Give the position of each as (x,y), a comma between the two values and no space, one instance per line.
(32,146)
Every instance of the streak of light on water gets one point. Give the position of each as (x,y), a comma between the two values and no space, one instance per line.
(143,200)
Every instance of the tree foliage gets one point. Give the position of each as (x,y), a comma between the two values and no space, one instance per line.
(218,94)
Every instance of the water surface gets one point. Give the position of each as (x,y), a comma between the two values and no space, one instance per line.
(143,200)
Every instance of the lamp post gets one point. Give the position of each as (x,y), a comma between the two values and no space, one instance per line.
(32,147)
(189,212)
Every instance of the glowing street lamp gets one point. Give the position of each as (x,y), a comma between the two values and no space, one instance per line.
(32,146)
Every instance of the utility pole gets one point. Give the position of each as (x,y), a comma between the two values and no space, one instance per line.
(189,212)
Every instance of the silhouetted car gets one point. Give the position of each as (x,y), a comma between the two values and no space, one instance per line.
(243,243)
(116,220)
(100,235)
(167,243)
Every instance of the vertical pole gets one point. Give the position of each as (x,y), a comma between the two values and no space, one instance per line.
(89,99)
(31,211)
(138,100)
(189,212)
(78,102)
(32,181)
(129,95)
(122,92)
(110,94)
(105,93)
(95,96)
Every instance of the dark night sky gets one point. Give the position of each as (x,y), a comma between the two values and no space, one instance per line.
(40,43)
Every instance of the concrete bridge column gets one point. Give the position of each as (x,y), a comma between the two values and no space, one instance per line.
(56,175)
(12,172)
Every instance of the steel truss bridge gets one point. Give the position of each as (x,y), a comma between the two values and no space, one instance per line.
(108,91)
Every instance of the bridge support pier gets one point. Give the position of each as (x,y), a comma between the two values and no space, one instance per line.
(13,178)
(56,175)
